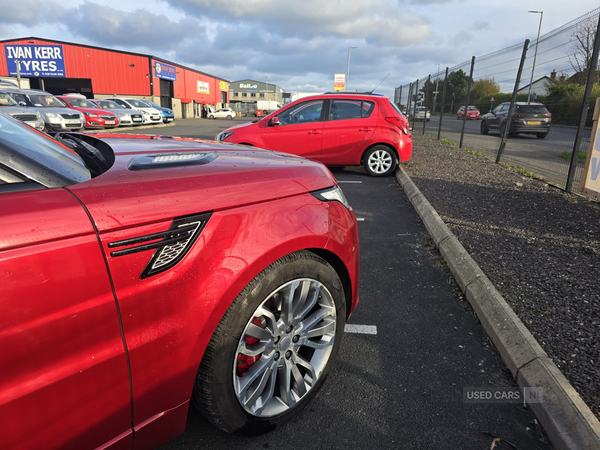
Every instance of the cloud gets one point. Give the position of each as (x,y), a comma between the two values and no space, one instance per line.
(29,12)
(481,25)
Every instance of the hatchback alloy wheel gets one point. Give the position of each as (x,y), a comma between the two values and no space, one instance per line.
(379,161)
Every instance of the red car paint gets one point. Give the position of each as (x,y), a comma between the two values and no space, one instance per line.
(472,113)
(333,142)
(94,117)
(94,356)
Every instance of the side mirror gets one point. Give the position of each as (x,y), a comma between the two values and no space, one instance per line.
(22,104)
(493,112)
(274,122)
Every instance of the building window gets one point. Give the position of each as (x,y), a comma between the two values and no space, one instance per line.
(262,95)
(244,94)
(235,94)
(253,95)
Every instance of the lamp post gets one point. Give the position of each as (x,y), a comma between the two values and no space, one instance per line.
(537,44)
(18,64)
(267,89)
(348,70)
(437,79)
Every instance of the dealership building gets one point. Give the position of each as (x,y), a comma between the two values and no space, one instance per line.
(96,72)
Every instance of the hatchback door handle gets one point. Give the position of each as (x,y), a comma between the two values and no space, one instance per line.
(314,132)
(365,129)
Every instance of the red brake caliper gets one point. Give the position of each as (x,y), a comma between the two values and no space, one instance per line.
(245,362)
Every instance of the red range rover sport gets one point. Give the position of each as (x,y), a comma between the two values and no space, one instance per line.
(139,274)
(336,129)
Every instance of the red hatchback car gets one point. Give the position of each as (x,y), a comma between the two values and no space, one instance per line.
(472,113)
(94,117)
(139,273)
(336,129)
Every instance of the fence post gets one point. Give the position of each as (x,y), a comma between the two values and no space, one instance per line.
(400,96)
(425,93)
(409,103)
(415,105)
(591,76)
(462,132)
(443,103)
(512,102)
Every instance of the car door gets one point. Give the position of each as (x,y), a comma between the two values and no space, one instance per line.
(348,130)
(300,130)
(64,381)
(500,116)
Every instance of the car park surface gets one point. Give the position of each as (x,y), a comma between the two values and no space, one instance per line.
(133,282)
(336,129)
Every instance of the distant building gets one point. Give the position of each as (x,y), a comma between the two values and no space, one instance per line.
(541,86)
(246,91)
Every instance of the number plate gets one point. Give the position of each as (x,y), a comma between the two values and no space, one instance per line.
(109,122)
(533,123)
(137,119)
(72,121)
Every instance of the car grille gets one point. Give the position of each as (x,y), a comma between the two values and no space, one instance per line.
(26,117)
(108,117)
(70,116)
(73,125)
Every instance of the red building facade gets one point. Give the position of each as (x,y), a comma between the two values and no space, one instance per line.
(64,67)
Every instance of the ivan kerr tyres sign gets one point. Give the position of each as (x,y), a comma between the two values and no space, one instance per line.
(35,60)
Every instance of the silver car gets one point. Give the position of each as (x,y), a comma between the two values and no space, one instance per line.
(27,115)
(56,115)
(126,116)
(151,115)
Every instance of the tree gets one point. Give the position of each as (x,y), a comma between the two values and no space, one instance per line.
(457,85)
(484,88)
(580,60)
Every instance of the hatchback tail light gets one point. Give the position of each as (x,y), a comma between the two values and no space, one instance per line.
(518,115)
(397,121)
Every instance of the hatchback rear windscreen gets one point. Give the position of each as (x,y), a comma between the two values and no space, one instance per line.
(532,109)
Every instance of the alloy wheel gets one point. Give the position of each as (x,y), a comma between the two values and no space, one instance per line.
(380,161)
(284,347)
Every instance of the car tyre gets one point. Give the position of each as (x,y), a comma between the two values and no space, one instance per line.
(483,127)
(211,117)
(256,338)
(379,161)
(541,135)
(230,117)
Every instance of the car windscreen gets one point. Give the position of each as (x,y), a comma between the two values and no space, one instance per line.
(6,100)
(80,103)
(107,104)
(137,103)
(472,108)
(44,101)
(532,109)
(39,157)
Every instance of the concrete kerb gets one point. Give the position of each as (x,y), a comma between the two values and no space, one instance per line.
(566,418)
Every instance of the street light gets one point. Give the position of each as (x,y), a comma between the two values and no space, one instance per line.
(537,44)
(267,89)
(348,71)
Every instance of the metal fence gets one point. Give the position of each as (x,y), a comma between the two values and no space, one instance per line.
(558,70)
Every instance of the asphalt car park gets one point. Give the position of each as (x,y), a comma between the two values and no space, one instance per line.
(411,347)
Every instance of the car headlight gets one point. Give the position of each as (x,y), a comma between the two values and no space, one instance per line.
(224,135)
(169,112)
(146,113)
(52,115)
(38,115)
(91,115)
(332,194)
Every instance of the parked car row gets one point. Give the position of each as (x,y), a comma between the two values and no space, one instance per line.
(44,111)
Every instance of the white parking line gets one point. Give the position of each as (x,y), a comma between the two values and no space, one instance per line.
(353,182)
(360,329)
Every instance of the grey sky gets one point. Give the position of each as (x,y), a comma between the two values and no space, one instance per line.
(298,45)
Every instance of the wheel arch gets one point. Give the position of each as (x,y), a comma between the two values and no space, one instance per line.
(342,271)
(386,144)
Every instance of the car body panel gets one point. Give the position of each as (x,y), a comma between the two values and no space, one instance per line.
(223,113)
(167,114)
(111,325)
(55,117)
(150,115)
(472,113)
(57,341)
(103,119)
(522,121)
(26,115)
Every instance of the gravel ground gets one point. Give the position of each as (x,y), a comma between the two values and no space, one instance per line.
(538,245)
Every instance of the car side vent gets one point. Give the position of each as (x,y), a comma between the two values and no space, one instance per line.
(166,160)
(169,246)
